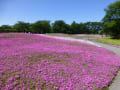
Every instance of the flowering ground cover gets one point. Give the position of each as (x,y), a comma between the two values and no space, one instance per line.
(33,62)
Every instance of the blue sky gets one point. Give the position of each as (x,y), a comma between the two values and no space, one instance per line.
(12,11)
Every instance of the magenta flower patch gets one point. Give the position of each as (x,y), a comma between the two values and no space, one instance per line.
(32,62)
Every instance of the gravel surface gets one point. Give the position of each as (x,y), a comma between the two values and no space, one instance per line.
(116,82)
(73,39)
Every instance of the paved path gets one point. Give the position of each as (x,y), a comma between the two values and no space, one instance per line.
(116,83)
(72,39)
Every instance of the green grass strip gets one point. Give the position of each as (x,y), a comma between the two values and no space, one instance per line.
(110,41)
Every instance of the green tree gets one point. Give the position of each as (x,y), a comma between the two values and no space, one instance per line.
(21,26)
(60,27)
(41,27)
(74,28)
(83,29)
(5,28)
(112,20)
(78,28)
(94,27)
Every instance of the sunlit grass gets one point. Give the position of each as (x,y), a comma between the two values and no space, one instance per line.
(110,41)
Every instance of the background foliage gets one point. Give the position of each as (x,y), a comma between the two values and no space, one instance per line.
(58,26)
(110,25)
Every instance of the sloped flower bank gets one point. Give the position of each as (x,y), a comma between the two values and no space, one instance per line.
(32,62)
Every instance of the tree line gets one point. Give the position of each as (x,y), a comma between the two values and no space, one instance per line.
(58,26)
(109,25)
(112,20)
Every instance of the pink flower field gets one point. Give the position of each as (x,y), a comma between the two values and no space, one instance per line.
(34,62)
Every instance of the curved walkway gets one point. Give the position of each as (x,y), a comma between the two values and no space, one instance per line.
(116,83)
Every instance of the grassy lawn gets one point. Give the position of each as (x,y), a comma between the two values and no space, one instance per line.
(110,41)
